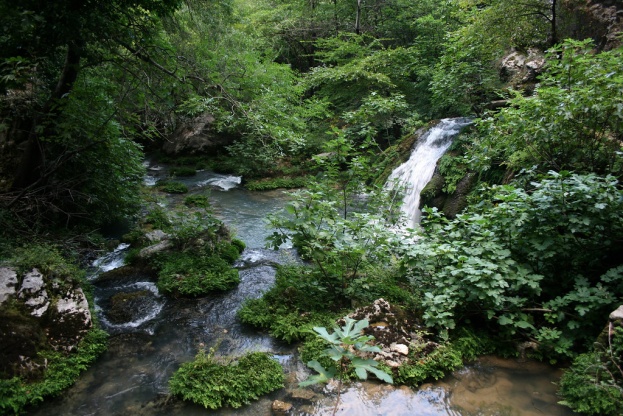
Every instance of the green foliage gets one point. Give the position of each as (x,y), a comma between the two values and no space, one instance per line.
(158,219)
(296,303)
(213,385)
(183,171)
(573,122)
(192,274)
(239,244)
(425,365)
(464,78)
(452,165)
(48,260)
(198,201)
(332,226)
(200,259)
(435,365)
(62,372)
(172,187)
(277,183)
(594,383)
(542,263)
(346,344)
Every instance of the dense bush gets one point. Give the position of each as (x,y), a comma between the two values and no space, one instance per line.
(213,384)
(543,263)
(594,383)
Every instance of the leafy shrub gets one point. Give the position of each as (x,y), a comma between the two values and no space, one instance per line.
(48,260)
(541,263)
(172,187)
(227,251)
(158,219)
(571,123)
(594,383)
(212,385)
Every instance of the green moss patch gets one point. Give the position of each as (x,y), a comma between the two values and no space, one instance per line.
(212,384)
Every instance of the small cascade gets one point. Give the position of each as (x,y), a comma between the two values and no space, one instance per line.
(416,172)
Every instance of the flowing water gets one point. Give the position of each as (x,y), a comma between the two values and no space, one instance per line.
(131,377)
(415,173)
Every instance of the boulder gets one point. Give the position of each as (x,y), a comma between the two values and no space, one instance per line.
(196,136)
(521,69)
(8,284)
(69,320)
(34,293)
(280,408)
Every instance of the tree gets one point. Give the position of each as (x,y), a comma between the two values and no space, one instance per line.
(46,46)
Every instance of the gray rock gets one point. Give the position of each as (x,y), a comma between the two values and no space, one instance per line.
(153,249)
(74,304)
(400,349)
(196,136)
(617,315)
(8,283)
(34,293)
(156,236)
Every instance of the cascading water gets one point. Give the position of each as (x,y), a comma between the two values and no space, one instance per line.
(415,173)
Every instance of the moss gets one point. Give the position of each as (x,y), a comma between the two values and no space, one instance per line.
(189,274)
(183,171)
(200,201)
(213,385)
(277,183)
(172,187)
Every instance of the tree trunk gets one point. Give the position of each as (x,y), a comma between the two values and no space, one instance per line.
(31,170)
(358,18)
(553,22)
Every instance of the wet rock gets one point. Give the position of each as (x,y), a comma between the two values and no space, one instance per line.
(125,307)
(155,248)
(280,408)
(34,293)
(303,394)
(8,283)
(21,338)
(521,69)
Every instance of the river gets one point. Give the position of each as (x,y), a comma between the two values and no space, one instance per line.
(131,377)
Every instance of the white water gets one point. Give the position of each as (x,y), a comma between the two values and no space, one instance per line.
(415,173)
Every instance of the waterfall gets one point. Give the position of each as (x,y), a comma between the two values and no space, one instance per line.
(416,172)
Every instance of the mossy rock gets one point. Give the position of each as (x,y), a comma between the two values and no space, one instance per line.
(22,336)
(126,306)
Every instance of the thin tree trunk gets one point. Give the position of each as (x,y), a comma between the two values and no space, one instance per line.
(553,22)
(358,18)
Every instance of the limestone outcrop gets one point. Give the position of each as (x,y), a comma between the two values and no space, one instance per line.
(38,313)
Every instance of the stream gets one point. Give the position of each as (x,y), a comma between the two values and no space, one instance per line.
(131,377)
